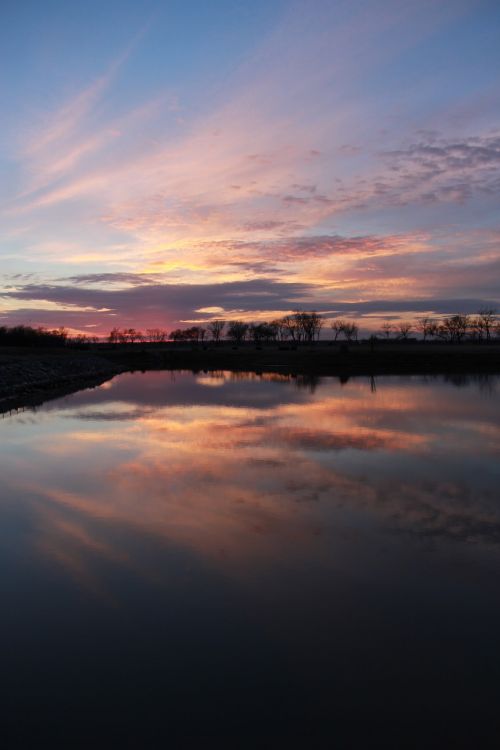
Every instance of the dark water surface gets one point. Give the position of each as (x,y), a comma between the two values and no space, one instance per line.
(261,558)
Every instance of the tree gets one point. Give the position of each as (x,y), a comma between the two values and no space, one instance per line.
(454,328)
(311,324)
(216,328)
(404,328)
(387,329)
(350,331)
(281,332)
(487,317)
(130,334)
(237,330)
(61,333)
(178,335)
(290,327)
(303,326)
(192,334)
(476,328)
(427,327)
(156,335)
(114,336)
(337,327)
(256,332)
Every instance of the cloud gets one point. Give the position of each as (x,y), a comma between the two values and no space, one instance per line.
(144,304)
(132,279)
(293,170)
(443,169)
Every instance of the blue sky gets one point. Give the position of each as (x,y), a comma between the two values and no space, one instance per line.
(336,155)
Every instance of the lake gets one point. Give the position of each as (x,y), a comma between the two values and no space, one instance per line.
(253,556)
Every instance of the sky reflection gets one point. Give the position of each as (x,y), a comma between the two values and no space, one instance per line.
(254,469)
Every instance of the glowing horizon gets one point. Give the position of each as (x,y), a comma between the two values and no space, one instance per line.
(164,162)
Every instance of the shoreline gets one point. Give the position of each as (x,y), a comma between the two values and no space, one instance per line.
(28,377)
(33,378)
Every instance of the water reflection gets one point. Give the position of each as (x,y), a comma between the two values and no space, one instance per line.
(209,467)
(186,482)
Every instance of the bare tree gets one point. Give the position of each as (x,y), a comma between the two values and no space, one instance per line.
(427,327)
(280,329)
(387,329)
(193,333)
(114,336)
(476,329)
(237,330)
(350,331)
(156,335)
(311,324)
(487,316)
(316,324)
(216,328)
(337,327)
(289,324)
(404,329)
(272,331)
(454,328)
(178,335)
(256,332)
(131,335)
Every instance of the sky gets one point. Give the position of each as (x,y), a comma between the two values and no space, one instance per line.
(166,163)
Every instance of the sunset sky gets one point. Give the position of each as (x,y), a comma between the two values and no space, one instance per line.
(167,162)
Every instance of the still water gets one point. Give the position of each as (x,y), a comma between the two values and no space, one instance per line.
(190,555)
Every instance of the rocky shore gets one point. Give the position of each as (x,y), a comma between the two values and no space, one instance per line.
(30,379)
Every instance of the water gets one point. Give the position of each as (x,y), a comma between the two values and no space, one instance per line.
(256,557)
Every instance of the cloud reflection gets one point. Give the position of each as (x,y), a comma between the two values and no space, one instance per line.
(240,485)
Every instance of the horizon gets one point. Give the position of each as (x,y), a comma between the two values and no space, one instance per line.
(170,165)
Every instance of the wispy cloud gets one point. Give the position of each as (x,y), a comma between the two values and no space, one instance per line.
(303,166)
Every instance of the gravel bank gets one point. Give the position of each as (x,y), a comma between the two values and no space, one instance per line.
(32,379)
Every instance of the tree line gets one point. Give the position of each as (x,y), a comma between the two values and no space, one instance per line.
(305,327)
(297,327)
(455,328)
(29,336)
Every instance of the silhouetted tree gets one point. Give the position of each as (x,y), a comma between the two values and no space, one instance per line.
(281,333)
(476,329)
(337,327)
(28,336)
(404,329)
(256,332)
(347,329)
(311,324)
(387,329)
(454,328)
(178,335)
(351,331)
(114,336)
(156,335)
(487,317)
(290,328)
(216,327)
(132,335)
(427,327)
(237,330)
